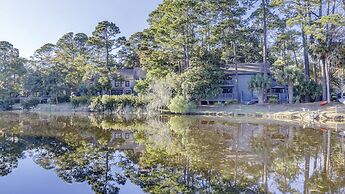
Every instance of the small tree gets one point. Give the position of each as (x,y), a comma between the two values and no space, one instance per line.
(30,103)
(160,92)
(200,82)
(181,105)
(292,76)
(259,83)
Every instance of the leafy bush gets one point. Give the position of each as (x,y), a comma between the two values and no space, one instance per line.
(6,104)
(16,101)
(200,82)
(160,92)
(109,102)
(153,74)
(112,103)
(80,100)
(141,86)
(233,101)
(297,99)
(308,88)
(30,103)
(218,104)
(334,97)
(180,105)
(273,100)
(96,104)
(62,99)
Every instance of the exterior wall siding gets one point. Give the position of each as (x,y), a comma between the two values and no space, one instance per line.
(123,86)
(245,93)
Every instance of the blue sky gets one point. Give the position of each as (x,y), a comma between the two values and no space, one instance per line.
(28,24)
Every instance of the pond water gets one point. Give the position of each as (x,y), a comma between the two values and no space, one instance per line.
(42,154)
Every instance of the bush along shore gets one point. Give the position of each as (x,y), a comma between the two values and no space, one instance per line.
(307,112)
(111,104)
(129,104)
(107,104)
(310,116)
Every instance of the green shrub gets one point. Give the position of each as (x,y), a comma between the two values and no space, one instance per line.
(218,104)
(6,104)
(141,86)
(273,100)
(30,103)
(334,97)
(308,88)
(96,104)
(80,100)
(297,99)
(180,105)
(232,101)
(62,99)
(109,102)
(112,103)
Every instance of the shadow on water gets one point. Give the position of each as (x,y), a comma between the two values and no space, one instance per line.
(175,154)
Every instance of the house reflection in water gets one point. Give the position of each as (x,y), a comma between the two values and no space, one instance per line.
(284,158)
(124,140)
(195,154)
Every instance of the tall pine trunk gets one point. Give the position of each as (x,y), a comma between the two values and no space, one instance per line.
(306,170)
(328,84)
(323,79)
(314,72)
(305,56)
(290,90)
(306,61)
(342,81)
(261,96)
(265,65)
(327,61)
(236,73)
(306,48)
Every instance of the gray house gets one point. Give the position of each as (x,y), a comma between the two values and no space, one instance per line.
(126,81)
(245,72)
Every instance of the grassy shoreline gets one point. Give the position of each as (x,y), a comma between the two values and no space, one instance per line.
(306,112)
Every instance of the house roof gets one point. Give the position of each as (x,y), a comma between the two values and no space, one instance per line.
(244,68)
(135,73)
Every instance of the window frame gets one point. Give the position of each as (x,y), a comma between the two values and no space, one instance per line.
(127,84)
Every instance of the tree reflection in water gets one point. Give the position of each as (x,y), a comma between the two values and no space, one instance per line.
(176,154)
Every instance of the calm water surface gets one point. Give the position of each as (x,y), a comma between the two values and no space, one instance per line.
(41,154)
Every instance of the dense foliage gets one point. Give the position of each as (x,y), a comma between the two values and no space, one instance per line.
(180,105)
(80,100)
(184,49)
(116,103)
(29,103)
